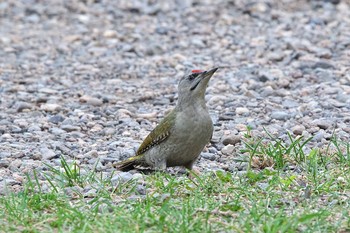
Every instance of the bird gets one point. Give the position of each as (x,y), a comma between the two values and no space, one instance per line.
(181,136)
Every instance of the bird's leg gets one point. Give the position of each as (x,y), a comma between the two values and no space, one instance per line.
(189,166)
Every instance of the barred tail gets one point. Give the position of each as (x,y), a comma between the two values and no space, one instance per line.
(129,163)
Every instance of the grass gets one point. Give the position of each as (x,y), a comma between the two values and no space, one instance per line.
(287,188)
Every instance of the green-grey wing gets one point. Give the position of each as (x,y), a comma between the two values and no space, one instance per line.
(159,134)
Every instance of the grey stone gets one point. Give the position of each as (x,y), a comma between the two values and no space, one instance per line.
(91,100)
(242,111)
(70,128)
(318,136)
(231,139)
(46,153)
(121,178)
(20,106)
(279,115)
(208,156)
(4,163)
(141,189)
(289,103)
(322,123)
(109,131)
(57,131)
(56,119)
(228,150)
(50,107)
(298,129)
(267,91)
(34,128)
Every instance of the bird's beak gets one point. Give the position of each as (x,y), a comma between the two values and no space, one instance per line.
(209,73)
(205,76)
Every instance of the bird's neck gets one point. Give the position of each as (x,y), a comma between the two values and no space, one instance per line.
(194,104)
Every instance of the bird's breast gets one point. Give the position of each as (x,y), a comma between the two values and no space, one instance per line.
(192,130)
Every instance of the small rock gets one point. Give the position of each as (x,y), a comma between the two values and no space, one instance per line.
(70,128)
(289,103)
(342,97)
(109,131)
(228,150)
(91,154)
(275,56)
(110,33)
(91,100)
(212,150)
(15,164)
(121,177)
(279,115)
(20,106)
(46,153)
(298,129)
(137,176)
(242,111)
(241,127)
(34,128)
(208,156)
(319,136)
(141,189)
(267,91)
(263,185)
(90,193)
(323,124)
(16,129)
(323,65)
(47,90)
(57,131)
(50,107)
(73,192)
(231,140)
(56,119)
(4,163)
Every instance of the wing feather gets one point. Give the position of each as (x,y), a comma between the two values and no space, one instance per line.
(159,134)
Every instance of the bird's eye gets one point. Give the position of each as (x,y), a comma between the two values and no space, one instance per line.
(193,76)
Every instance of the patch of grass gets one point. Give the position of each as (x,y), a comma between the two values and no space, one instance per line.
(287,188)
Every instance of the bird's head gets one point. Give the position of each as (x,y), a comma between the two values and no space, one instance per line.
(193,85)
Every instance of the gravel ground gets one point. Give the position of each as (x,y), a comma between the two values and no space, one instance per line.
(90,79)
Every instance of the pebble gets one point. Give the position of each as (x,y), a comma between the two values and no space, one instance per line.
(34,128)
(208,156)
(322,123)
(91,100)
(141,189)
(46,153)
(50,107)
(70,128)
(241,127)
(279,115)
(318,136)
(91,154)
(231,139)
(298,129)
(137,176)
(290,103)
(20,106)
(4,163)
(242,111)
(57,131)
(56,119)
(121,177)
(109,131)
(228,149)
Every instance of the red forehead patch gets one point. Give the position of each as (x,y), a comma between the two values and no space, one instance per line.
(197,71)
